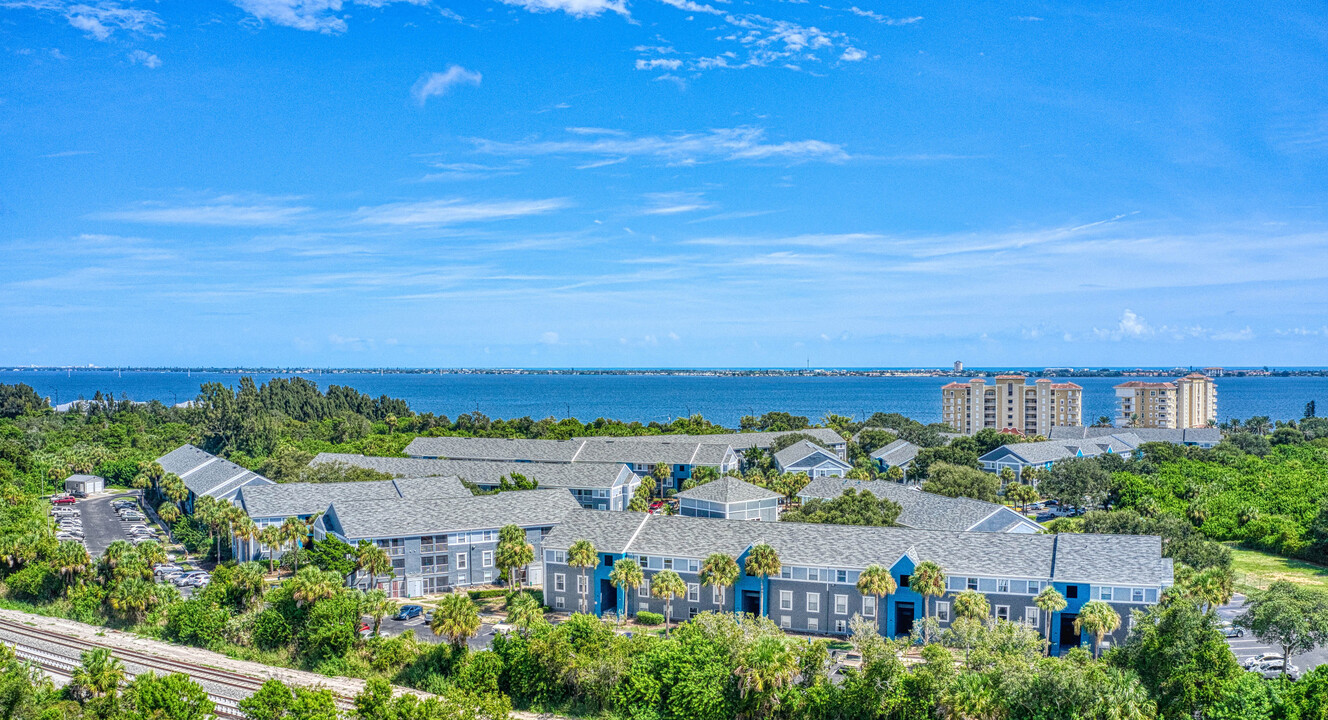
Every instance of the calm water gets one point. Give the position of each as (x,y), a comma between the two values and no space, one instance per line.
(660,397)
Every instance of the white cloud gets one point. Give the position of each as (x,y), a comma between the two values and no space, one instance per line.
(852,54)
(454,211)
(671,78)
(741,143)
(147,60)
(312,15)
(575,8)
(657,63)
(1235,336)
(432,84)
(1130,326)
(69,153)
(99,20)
(221,211)
(884,20)
(675,203)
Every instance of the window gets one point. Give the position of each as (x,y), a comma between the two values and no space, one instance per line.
(559,582)
(785,599)
(841,576)
(1071,591)
(693,565)
(644,589)
(1137,595)
(486,558)
(555,556)
(841,604)
(943,611)
(691,612)
(582,586)
(1031,616)
(608,561)
(1002,586)
(986,585)
(693,592)
(785,622)
(398,563)
(668,563)
(461,561)
(869,606)
(972,584)
(717,594)
(841,626)
(813,624)
(559,602)
(1002,612)
(813,602)
(903,580)
(1104,593)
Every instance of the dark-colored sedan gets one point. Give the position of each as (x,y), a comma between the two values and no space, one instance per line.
(409,611)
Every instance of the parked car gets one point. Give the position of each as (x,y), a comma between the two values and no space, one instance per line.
(1273,669)
(1230,630)
(409,611)
(64,500)
(199,581)
(68,536)
(1262,658)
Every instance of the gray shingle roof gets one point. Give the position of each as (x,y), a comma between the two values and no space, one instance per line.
(488,472)
(923,510)
(898,452)
(743,441)
(1195,436)
(206,474)
(359,519)
(728,489)
(646,450)
(801,450)
(461,448)
(1053,450)
(610,532)
(1106,558)
(293,499)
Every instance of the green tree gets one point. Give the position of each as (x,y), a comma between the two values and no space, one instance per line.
(456,619)
(765,667)
(850,508)
(719,570)
(959,481)
(373,560)
(1049,601)
(513,553)
(1288,616)
(154,697)
(276,701)
(626,576)
(311,585)
(377,605)
(1077,482)
(877,581)
(1098,619)
(1180,656)
(640,501)
(972,605)
(1021,495)
(582,554)
(763,562)
(169,512)
(667,585)
(524,611)
(98,675)
(662,476)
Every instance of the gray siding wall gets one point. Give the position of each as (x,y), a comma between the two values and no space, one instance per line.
(799,617)
(407,565)
(682,606)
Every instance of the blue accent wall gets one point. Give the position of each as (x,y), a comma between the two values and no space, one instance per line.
(904,566)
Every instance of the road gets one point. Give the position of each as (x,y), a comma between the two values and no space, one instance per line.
(1249,646)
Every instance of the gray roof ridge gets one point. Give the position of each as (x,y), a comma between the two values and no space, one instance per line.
(627,546)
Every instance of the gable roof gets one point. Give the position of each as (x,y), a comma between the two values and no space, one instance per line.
(488,472)
(898,452)
(206,474)
(1035,453)
(647,450)
(361,519)
(801,450)
(918,509)
(295,499)
(1179,436)
(728,489)
(742,440)
(1100,558)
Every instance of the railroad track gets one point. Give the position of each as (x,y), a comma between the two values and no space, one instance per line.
(227,704)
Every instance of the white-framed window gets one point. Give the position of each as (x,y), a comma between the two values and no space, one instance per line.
(668,563)
(582,584)
(1031,618)
(869,606)
(555,556)
(486,558)
(785,621)
(972,583)
(559,602)
(1104,593)
(841,604)
(841,576)
(693,592)
(841,626)
(644,589)
(785,599)
(943,611)
(717,594)
(813,602)
(1137,595)
(461,561)
(559,582)
(813,624)
(1002,612)
(1003,586)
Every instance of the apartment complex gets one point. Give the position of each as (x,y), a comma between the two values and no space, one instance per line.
(1190,402)
(1011,402)
(816,591)
(1067,443)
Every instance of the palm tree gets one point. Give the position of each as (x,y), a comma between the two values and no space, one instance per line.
(523,611)
(583,554)
(377,606)
(970,696)
(98,674)
(762,562)
(666,585)
(70,560)
(626,576)
(244,529)
(1099,620)
(168,511)
(293,533)
(1021,495)
(1049,601)
(1208,588)
(247,582)
(513,553)
(720,571)
(271,537)
(373,560)
(876,580)
(972,605)
(173,487)
(152,553)
(928,580)
(764,668)
(456,618)
(311,585)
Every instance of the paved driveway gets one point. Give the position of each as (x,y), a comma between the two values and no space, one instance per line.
(101,526)
(420,627)
(1249,646)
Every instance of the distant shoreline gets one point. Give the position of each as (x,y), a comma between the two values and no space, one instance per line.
(708,372)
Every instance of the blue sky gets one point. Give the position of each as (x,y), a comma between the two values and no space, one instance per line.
(662,183)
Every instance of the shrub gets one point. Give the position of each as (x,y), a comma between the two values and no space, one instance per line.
(271,631)
(196,622)
(481,594)
(645,617)
(36,582)
(480,672)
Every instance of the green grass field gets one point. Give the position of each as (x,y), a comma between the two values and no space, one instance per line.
(1257,570)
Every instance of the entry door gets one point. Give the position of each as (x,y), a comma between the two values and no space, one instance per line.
(535,574)
(903,618)
(414,587)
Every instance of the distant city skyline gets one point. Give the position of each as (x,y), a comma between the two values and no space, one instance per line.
(661,183)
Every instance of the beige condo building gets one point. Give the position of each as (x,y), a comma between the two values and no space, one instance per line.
(1190,402)
(1011,402)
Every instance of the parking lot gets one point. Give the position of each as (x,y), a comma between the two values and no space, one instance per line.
(420,627)
(101,525)
(1248,646)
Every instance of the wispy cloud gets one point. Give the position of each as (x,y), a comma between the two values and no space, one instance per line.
(742,143)
(144,58)
(454,211)
(575,8)
(69,153)
(675,203)
(438,83)
(221,211)
(883,19)
(98,20)
(312,15)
